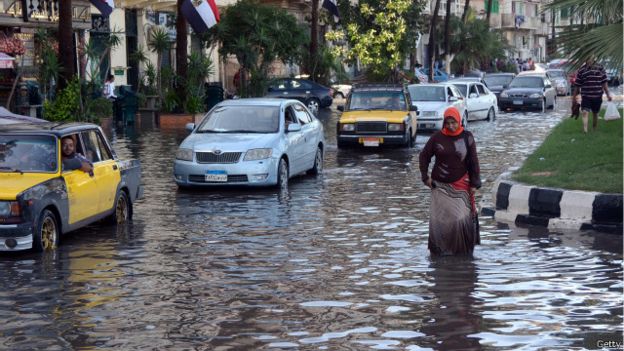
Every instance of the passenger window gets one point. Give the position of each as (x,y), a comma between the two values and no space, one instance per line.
(289,116)
(105,152)
(302,115)
(449,92)
(481,89)
(91,146)
(473,90)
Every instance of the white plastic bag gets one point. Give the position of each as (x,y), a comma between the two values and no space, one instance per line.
(612,112)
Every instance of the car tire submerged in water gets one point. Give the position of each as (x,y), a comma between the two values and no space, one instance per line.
(123,209)
(491,116)
(282,174)
(46,236)
(318,162)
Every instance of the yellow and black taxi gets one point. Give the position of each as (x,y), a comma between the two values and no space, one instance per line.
(43,196)
(377,114)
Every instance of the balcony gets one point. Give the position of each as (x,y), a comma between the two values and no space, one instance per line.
(509,21)
(42,13)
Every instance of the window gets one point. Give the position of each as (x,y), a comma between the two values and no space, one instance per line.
(104,150)
(91,146)
(495,6)
(473,90)
(481,89)
(290,116)
(299,84)
(302,114)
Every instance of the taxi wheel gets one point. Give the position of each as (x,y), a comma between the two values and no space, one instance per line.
(318,162)
(282,174)
(122,209)
(46,237)
(412,139)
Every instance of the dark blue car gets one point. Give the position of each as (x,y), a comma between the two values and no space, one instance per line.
(312,94)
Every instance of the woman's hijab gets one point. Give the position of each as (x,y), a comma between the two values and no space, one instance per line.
(452,112)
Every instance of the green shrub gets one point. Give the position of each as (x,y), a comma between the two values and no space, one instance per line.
(99,108)
(66,106)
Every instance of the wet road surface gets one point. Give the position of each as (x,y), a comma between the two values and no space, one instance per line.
(337,262)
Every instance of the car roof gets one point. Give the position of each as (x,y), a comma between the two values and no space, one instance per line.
(256,102)
(376,87)
(531,73)
(54,128)
(466,79)
(442,84)
(499,74)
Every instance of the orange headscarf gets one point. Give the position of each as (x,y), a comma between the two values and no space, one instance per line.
(452,112)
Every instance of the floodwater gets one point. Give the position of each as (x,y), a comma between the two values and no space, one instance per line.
(336,262)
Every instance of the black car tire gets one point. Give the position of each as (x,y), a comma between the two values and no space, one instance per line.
(123,209)
(47,234)
(318,162)
(282,174)
(491,116)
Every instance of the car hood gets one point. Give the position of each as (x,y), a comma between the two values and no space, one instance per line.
(373,115)
(524,90)
(430,105)
(14,183)
(229,142)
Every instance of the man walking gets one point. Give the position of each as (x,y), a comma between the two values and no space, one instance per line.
(591,80)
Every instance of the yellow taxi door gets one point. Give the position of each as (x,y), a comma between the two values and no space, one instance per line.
(83,195)
(105,169)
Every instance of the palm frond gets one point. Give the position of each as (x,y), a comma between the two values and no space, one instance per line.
(602,42)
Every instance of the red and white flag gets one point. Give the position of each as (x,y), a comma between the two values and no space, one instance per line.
(104,6)
(200,14)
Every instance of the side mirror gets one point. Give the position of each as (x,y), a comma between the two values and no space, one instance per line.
(473,95)
(453,98)
(413,108)
(340,107)
(189,127)
(293,127)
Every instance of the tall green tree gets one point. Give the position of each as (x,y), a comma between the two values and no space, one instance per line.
(158,42)
(258,35)
(598,34)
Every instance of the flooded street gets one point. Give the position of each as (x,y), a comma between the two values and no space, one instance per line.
(338,262)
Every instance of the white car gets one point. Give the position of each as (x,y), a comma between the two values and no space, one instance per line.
(254,142)
(481,103)
(432,100)
(341,90)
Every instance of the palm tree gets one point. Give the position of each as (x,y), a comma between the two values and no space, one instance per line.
(432,39)
(158,42)
(181,49)
(598,34)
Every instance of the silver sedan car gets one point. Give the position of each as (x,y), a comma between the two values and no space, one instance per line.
(256,142)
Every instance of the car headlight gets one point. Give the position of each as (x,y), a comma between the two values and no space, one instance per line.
(347,127)
(9,209)
(504,94)
(395,127)
(257,154)
(428,114)
(184,154)
(535,96)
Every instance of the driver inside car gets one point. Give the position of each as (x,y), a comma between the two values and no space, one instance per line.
(71,159)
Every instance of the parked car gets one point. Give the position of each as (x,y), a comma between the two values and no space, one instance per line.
(559,79)
(39,201)
(614,76)
(341,90)
(497,82)
(377,114)
(481,103)
(529,91)
(438,75)
(312,94)
(432,100)
(255,142)
(468,79)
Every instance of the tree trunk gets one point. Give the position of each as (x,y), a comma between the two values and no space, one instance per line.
(553,33)
(447,35)
(432,39)
(489,12)
(181,50)
(313,39)
(465,13)
(66,43)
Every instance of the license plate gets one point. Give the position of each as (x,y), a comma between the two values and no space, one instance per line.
(371,141)
(517,102)
(216,176)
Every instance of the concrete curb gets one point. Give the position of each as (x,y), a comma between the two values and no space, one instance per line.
(556,208)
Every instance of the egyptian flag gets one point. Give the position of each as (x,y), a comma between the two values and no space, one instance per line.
(332,7)
(200,14)
(105,6)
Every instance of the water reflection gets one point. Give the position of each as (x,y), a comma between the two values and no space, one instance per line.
(455,317)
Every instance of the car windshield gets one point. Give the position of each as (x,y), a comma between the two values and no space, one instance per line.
(463,88)
(28,153)
(557,73)
(497,80)
(527,82)
(377,100)
(427,93)
(241,119)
